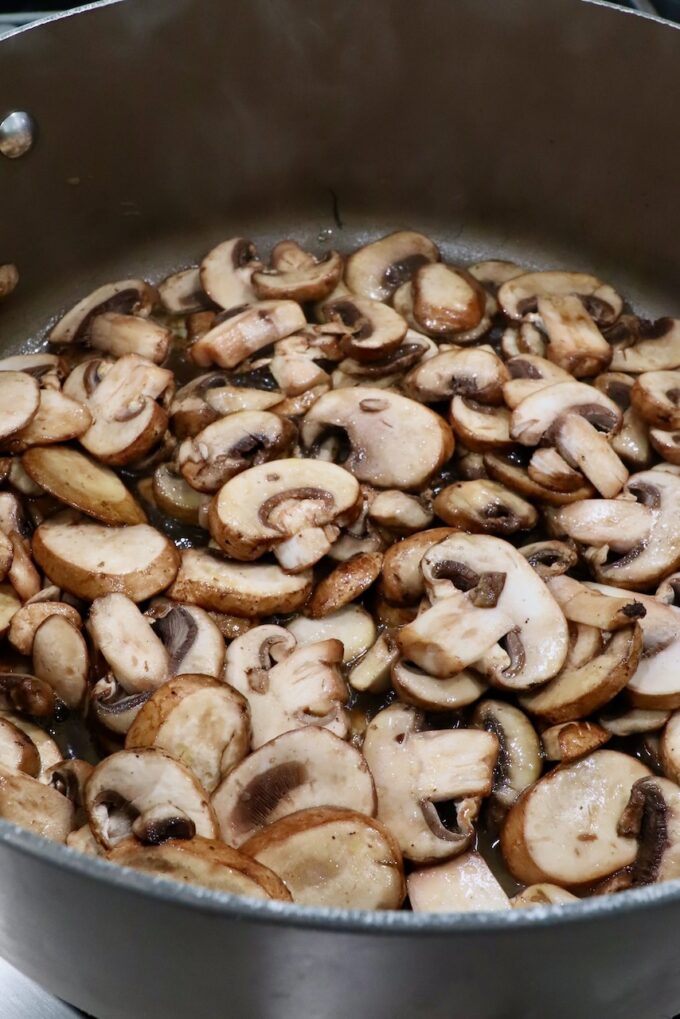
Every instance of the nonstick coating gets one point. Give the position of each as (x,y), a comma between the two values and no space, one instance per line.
(539,130)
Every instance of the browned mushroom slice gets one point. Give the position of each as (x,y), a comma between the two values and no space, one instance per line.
(192,640)
(414,770)
(181,293)
(90,560)
(547,467)
(231,445)
(543,894)
(519,755)
(652,817)
(580,690)
(30,616)
(304,768)
(191,409)
(6,555)
(209,579)
(393,442)
(656,682)
(40,808)
(565,827)
(127,297)
(537,413)
(10,604)
(296,374)
(61,658)
(298,276)
(642,346)
(493,272)
(22,574)
(463,885)
(18,752)
(581,604)
(26,694)
(199,721)
(399,513)
(352,625)
(570,740)
(479,427)
(9,278)
(238,335)
(518,297)
(346,582)
(48,369)
(387,370)
(574,341)
(372,672)
(83,841)
(85,377)
(550,558)
(517,478)
(656,397)
(378,268)
(330,857)
(621,524)
(475,373)
(70,778)
(175,496)
(113,707)
(372,329)
(49,753)
(226,272)
(128,334)
(632,441)
(79,482)
(484,507)
(203,862)
(666,444)
(669,748)
(632,721)
(402,578)
(446,300)
(125,638)
(435,693)
(19,402)
(149,794)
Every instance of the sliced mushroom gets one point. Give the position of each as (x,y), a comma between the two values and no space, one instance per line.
(632,721)
(124,637)
(175,496)
(543,894)
(22,574)
(549,468)
(446,300)
(304,768)
(570,740)
(484,507)
(519,762)
(669,748)
(378,268)
(581,604)
(79,482)
(9,278)
(6,555)
(509,473)
(344,584)
(493,272)
(574,341)
(30,616)
(402,578)
(226,273)
(129,334)
(298,276)
(10,604)
(126,297)
(20,480)
(372,329)
(204,862)
(181,293)
(330,857)
(19,402)
(656,397)
(113,707)
(414,770)
(385,371)
(27,695)
(641,346)
(479,427)
(192,640)
(393,442)
(49,753)
(620,524)
(564,829)
(245,331)
(83,841)
(372,672)
(550,558)
(91,560)
(40,808)
(529,374)
(435,693)
(518,297)
(352,625)
(537,413)
(61,658)
(398,512)
(18,752)
(147,793)
(463,885)
(652,816)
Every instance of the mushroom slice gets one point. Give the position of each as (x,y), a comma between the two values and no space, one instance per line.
(435,693)
(148,793)
(29,617)
(231,445)
(519,762)
(398,512)
(126,297)
(209,579)
(493,272)
(9,278)
(288,507)
(666,444)
(633,721)
(377,269)
(288,688)
(91,560)
(402,578)
(344,584)
(509,473)
(480,427)
(388,369)
(372,329)
(182,294)
(191,409)
(304,768)
(669,748)
(19,402)
(529,373)
(203,862)
(570,740)
(564,829)
(352,625)
(415,769)
(463,885)
(578,691)
(175,496)
(393,442)
(656,398)
(70,777)
(61,658)
(484,507)
(446,300)
(199,721)
(243,332)
(125,638)
(652,816)
(547,467)
(656,682)
(10,604)
(543,894)
(226,272)
(40,808)
(113,707)
(128,334)
(537,413)
(581,604)
(192,640)
(620,524)
(372,672)
(518,297)
(574,341)
(18,752)
(647,346)
(22,574)
(550,558)
(298,276)
(27,695)
(6,555)
(49,753)
(536,640)
(83,841)
(79,482)
(330,857)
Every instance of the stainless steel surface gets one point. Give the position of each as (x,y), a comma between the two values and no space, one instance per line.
(21,998)
(17,134)
(541,130)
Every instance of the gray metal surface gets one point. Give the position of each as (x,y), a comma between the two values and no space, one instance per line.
(21,998)
(541,130)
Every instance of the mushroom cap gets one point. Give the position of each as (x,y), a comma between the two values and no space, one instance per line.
(574,341)
(536,414)
(433,693)
(372,329)
(301,278)
(402,577)
(49,753)
(31,804)
(589,452)
(128,297)
(518,297)
(474,372)
(484,506)
(657,347)
(244,332)
(348,581)
(462,885)
(446,300)
(175,496)
(307,767)
(652,815)
(28,618)
(226,272)
(398,512)
(656,395)
(378,268)
(550,558)
(19,402)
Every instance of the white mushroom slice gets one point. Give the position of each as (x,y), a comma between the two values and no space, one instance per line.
(463,885)
(492,272)
(348,581)
(304,768)
(399,513)
(79,482)
(550,558)
(9,278)
(435,693)
(18,752)
(259,509)
(6,555)
(199,721)
(19,402)
(565,827)
(519,756)
(295,374)
(70,777)
(22,574)
(587,450)
(402,578)
(372,672)
(661,623)
(479,427)
(40,808)
(484,507)
(537,639)
(377,269)
(634,721)
(547,467)
(83,841)
(209,579)
(652,816)
(85,377)
(90,560)
(128,334)
(127,297)
(48,369)
(20,480)
(509,473)
(618,523)
(192,640)
(203,862)
(352,625)
(656,397)
(330,857)
(655,345)
(243,333)
(231,445)
(49,753)
(570,740)
(446,300)
(669,748)
(385,370)
(574,341)
(581,604)
(175,496)
(414,770)
(656,682)
(132,785)
(543,894)
(229,399)
(61,658)
(182,294)
(518,297)
(529,374)
(536,414)
(394,442)
(578,691)
(372,329)
(226,272)
(666,444)
(134,653)
(113,707)
(298,276)
(26,694)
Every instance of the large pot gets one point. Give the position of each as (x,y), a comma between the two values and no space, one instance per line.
(541,130)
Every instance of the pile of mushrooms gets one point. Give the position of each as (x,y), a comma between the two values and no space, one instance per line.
(351,581)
